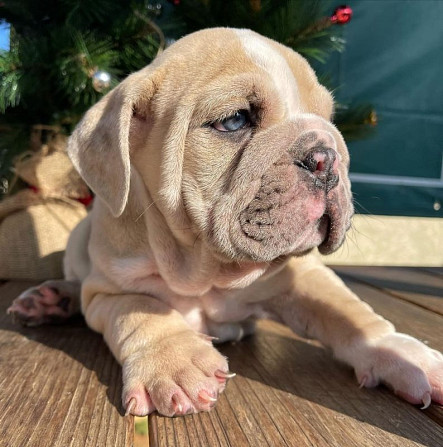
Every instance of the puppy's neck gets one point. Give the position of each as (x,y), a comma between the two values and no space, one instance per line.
(241,274)
(185,263)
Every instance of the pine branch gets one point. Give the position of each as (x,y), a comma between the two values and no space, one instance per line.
(9,79)
(305,26)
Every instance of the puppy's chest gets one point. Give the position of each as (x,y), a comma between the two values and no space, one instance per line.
(139,275)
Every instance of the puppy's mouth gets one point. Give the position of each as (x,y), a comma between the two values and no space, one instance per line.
(291,203)
(279,230)
(291,217)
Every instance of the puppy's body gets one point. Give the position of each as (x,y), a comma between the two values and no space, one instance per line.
(217,171)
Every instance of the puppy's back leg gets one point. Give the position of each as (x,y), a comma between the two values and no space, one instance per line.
(53,301)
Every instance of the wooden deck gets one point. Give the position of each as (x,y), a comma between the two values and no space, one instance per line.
(59,386)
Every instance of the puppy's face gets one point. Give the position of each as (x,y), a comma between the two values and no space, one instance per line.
(231,134)
(264,172)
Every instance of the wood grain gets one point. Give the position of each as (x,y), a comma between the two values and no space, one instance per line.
(432,270)
(290,392)
(418,286)
(59,385)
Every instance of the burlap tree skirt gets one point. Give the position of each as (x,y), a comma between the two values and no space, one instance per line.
(34,231)
(35,223)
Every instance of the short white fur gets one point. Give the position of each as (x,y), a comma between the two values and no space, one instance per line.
(263,55)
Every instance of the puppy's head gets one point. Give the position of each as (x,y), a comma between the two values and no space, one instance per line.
(231,134)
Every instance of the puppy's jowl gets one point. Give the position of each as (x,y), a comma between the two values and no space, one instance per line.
(217,171)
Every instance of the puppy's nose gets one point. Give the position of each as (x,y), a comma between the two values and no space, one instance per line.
(323,163)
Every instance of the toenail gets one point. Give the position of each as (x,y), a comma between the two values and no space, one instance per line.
(204,395)
(131,405)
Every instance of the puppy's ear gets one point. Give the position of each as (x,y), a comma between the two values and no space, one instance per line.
(99,145)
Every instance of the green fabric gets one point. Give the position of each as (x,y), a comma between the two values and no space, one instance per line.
(394,60)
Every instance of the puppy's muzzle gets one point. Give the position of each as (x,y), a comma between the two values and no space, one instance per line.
(323,164)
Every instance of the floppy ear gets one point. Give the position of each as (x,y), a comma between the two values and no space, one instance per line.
(99,145)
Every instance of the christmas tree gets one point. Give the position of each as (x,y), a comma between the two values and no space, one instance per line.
(64,56)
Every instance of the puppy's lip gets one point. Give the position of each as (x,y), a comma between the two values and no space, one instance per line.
(328,245)
(324,227)
(334,236)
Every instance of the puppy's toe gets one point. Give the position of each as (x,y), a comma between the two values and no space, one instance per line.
(171,400)
(201,389)
(435,377)
(137,401)
(187,390)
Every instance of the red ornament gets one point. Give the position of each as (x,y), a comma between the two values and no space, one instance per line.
(87,200)
(342,15)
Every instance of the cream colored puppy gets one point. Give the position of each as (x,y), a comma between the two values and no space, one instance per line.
(217,170)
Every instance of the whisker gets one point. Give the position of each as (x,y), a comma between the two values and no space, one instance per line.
(360,206)
(147,208)
(196,239)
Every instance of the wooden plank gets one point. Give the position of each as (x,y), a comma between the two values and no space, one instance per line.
(436,271)
(290,392)
(59,385)
(407,283)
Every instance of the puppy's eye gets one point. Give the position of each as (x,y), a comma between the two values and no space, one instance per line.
(235,122)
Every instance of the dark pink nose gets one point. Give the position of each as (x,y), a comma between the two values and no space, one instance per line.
(323,163)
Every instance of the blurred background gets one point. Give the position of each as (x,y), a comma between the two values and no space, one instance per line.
(383,60)
(394,59)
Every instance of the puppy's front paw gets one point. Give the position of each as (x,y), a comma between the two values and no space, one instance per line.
(183,373)
(409,367)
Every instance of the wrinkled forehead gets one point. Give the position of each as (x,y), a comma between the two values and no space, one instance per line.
(247,69)
(267,58)
(223,66)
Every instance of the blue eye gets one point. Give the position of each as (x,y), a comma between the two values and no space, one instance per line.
(235,122)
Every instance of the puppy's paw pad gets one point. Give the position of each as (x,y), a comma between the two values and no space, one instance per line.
(47,303)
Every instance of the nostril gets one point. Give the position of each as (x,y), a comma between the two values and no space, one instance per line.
(321,166)
(319,161)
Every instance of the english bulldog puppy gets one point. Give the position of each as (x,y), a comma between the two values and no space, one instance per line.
(217,171)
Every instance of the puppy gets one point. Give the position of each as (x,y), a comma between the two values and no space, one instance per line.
(217,171)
